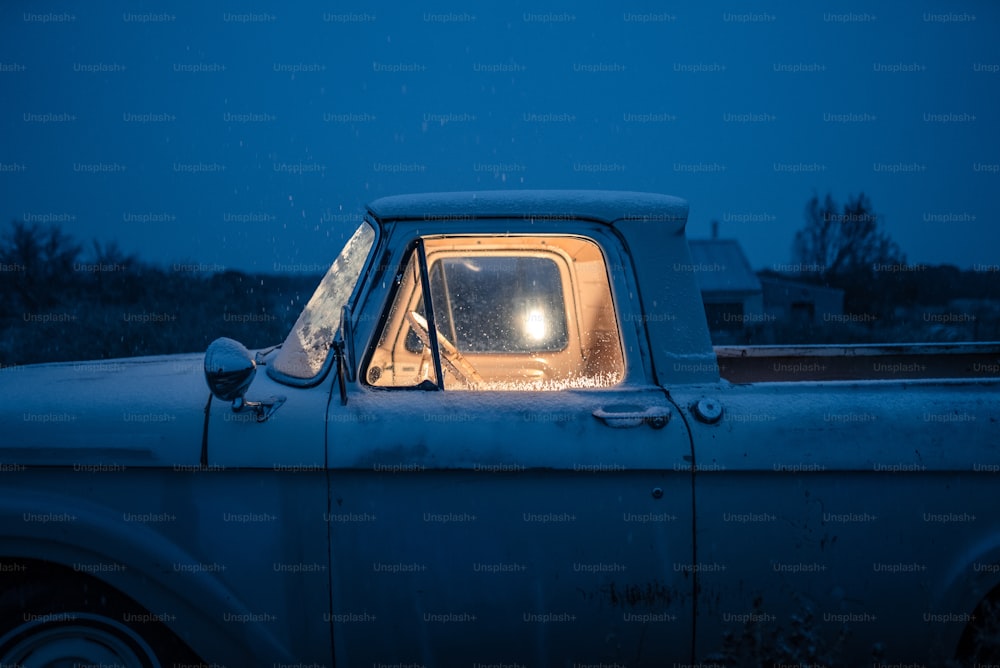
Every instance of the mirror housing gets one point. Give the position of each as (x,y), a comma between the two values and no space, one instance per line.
(229,371)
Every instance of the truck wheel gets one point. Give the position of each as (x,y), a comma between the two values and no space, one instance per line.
(78,622)
(980,644)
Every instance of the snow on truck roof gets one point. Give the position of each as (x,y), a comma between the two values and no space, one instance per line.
(606,206)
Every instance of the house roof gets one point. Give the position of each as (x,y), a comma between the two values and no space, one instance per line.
(721,266)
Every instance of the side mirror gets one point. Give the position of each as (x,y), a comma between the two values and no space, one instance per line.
(229,370)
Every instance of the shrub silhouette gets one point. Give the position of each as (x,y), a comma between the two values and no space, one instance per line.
(57,304)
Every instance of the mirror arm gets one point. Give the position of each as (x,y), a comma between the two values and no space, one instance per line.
(261,409)
(339,355)
(346,337)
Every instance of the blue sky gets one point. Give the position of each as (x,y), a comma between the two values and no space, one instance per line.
(248,136)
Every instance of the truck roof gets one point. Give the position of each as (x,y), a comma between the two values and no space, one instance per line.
(606,206)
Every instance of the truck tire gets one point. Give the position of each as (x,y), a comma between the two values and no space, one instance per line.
(68,621)
(980,644)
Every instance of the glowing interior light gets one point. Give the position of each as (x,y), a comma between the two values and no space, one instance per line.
(534,324)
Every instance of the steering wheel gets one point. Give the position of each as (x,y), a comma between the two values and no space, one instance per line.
(449,353)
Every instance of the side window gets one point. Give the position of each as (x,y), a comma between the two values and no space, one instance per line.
(510,313)
(400,359)
(527,312)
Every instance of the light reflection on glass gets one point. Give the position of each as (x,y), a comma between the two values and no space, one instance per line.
(534,324)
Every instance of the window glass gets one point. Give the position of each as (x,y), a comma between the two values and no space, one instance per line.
(401,358)
(724,317)
(510,313)
(525,311)
(304,352)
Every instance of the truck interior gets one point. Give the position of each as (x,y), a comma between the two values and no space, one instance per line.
(510,313)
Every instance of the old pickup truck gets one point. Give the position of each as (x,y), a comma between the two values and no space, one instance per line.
(499,435)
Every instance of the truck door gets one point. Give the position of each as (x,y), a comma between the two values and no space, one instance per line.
(507,484)
(841,523)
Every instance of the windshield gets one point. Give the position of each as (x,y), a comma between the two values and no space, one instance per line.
(304,351)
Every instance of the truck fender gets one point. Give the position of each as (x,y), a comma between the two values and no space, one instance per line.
(141,563)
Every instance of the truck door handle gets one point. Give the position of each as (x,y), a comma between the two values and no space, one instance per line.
(627,416)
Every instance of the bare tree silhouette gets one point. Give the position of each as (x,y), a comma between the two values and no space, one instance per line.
(845,247)
(844,241)
(40,261)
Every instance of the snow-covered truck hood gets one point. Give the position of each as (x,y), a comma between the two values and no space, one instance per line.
(104,415)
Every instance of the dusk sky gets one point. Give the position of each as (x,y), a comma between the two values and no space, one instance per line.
(249,136)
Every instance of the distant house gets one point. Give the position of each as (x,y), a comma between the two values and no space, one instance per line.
(732,293)
(742,307)
(798,303)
